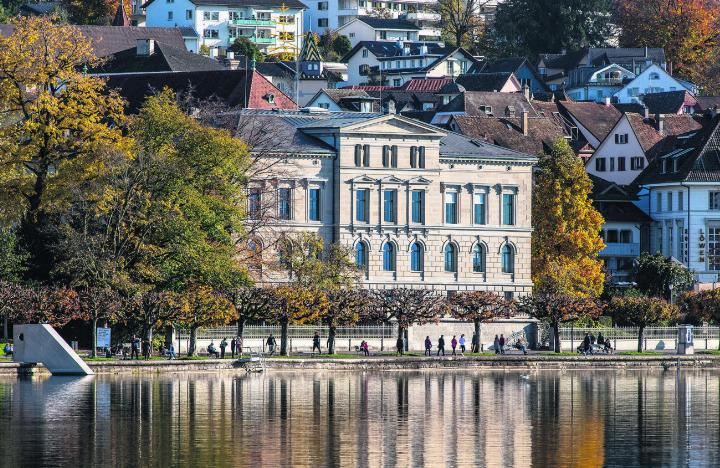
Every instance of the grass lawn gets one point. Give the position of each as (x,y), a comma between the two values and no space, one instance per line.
(193,358)
(642,353)
(714,352)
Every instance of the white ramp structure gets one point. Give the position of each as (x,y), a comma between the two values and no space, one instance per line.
(41,343)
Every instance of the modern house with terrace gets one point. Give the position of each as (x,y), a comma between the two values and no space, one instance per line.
(275,26)
(420,207)
(369,28)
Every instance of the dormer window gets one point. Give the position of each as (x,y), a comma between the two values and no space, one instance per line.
(654,76)
(270,98)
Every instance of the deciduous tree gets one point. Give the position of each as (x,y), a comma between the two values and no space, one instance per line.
(296,305)
(43,304)
(345,308)
(461,21)
(98,303)
(659,276)
(311,265)
(201,306)
(58,126)
(642,311)
(251,304)
(405,307)
(98,12)
(556,308)
(686,29)
(566,237)
(479,306)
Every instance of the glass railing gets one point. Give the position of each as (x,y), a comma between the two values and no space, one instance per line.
(253,22)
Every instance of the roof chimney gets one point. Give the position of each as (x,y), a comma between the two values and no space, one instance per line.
(145,47)
(526,91)
(524,122)
(660,123)
(647,112)
(607,101)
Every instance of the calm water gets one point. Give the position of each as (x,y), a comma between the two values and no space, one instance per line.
(430,418)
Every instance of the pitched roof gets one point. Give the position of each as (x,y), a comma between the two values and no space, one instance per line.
(388,23)
(697,156)
(604,190)
(244,3)
(165,58)
(507,132)
(708,102)
(599,119)
(477,102)
(621,212)
(235,88)
(484,81)
(599,56)
(669,102)
(387,49)
(310,49)
(431,85)
(648,136)
(349,99)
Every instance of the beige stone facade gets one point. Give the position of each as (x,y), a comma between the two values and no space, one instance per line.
(418,222)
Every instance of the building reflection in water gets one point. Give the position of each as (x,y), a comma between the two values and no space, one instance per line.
(429,418)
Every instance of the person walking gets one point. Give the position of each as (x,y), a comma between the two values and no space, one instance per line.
(223,345)
(365,348)
(316,343)
(428,346)
(453,344)
(496,345)
(441,345)
(135,347)
(233,347)
(502,343)
(400,344)
(474,345)
(461,342)
(271,344)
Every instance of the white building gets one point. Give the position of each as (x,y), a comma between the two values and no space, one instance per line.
(368,28)
(332,14)
(682,186)
(601,84)
(653,80)
(275,26)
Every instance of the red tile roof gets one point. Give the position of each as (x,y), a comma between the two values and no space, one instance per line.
(432,85)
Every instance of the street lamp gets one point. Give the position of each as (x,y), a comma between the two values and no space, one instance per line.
(670,286)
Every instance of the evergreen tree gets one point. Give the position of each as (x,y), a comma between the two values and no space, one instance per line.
(566,240)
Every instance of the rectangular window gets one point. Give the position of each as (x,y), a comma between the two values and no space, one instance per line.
(322,6)
(620,164)
(254,203)
(451,199)
(451,67)
(394,156)
(314,202)
(421,157)
(361,205)
(389,206)
(714,248)
(600,164)
(626,236)
(658,202)
(612,164)
(681,201)
(366,155)
(418,211)
(621,139)
(669,201)
(322,22)
(188,14)
(714,202)
(284,207)
(170,15)
(365,53)
(211,15)
(413,156)
(637,163)
(358,152)
(210,34)
(508,209)
(611,236)
(479,208)
(386,156)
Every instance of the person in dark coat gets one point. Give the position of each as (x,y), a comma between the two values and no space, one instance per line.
(146,349)
(502,343)
(441,345)
(233,347)
(400,344)
(135,347)
(428,346)
(223,345)
(496,345)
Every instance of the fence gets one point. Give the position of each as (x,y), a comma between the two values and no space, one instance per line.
(655,338)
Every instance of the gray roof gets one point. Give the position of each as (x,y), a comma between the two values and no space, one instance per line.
(476,103)
(245,3)
(165,58)
(454,145)
(388,23)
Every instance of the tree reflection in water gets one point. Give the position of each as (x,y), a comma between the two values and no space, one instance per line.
(322,418)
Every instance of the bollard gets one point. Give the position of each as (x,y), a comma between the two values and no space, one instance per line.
(349,345)
(290,350)
(645,344)
(382,343)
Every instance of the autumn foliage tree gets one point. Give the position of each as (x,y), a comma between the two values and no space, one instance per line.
(43,304)
(566,238)
(251,304)
(642,311)
(57,125)
(97,303)
(296,305)
(686,29)
(479,306)
(405,307)
(98,12)
(345,308)
(201,306)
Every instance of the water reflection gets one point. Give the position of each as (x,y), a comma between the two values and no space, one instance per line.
(454,418)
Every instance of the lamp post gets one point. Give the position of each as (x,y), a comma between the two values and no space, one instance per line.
(670,286)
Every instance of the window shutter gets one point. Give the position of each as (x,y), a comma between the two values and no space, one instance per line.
(394,161)
(422,157)
(358,156)
(413,156)
(386,156)
(366,155)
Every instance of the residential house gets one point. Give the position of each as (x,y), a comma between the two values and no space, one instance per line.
(275,26)
(601,84)
(633,142)
(233,88)
(593,121)
(488,104)
(524,71)
(654,79)
(394,63)
(681,187)
(625,230)
(671,102)
(707,103)
(419,206)
(502,82)
(351,100)
(370,28)
(334,14)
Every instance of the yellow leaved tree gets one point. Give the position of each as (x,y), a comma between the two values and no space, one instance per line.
(566,238)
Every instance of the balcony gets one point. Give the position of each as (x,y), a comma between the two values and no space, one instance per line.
(423,16)
(253,22)
(262,40)
(613,249)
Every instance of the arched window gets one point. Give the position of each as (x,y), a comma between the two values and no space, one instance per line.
(416,257)
(361,255)
(478,258)
(450,258)
(507,259)
(389,257)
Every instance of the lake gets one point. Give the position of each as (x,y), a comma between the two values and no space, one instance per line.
(323,418)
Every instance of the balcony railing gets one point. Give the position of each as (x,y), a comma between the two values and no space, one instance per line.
(613,249)
(263,40)
(423,16)
(253,22)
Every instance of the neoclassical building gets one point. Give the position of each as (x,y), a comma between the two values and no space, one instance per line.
(421,207)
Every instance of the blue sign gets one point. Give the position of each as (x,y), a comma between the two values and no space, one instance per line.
(103,338)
